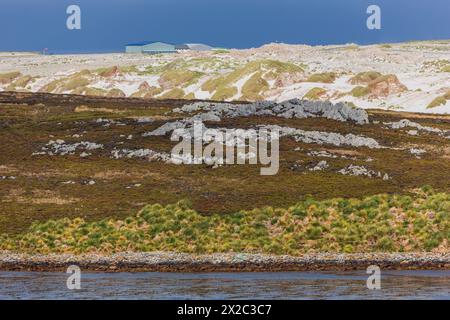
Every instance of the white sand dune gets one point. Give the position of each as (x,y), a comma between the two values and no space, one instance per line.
(420,66)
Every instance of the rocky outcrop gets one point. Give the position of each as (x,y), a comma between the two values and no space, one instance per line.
(62,148)
(294,108)
(354,170)
(148,154)
(330,138)
(417,152)
(322,165)
(405,123)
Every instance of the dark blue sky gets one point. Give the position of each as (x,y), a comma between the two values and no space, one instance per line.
(109,24)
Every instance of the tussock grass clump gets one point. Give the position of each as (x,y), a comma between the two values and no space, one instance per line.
(115,93)
(74,83)
(107,72)
(326,77)
(262,70)
(174,78)
(314,93)
(147,93)
(129,69)
(6,78)
(51,86)
(365,77)
(447,95)
(212,84)
(175,93)
(88,91)
(442,65)
(21,82)
(189,96)
(224,93)
(254,88)
(381,223)
(439,101)
(360,91)
(221,51)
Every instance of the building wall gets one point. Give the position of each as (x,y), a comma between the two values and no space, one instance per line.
(133,49)
(158,47)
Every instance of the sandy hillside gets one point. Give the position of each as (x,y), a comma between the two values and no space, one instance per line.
(411,76)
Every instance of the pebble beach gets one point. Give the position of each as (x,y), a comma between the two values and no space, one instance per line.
(222,262)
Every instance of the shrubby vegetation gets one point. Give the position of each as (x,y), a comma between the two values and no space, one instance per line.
(175,93)
(261,70)
(314,93)
(253,88)
(8,77)
(365,77)
(360,91)
(440,100)
(386,223)
(326,77)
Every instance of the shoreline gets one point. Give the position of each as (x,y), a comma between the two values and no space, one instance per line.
(222,262)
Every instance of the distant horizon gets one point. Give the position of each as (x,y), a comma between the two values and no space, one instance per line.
(107,25)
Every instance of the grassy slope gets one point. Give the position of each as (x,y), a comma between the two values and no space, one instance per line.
(373,224)
(38,192)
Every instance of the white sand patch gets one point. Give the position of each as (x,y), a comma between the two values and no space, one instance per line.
(411,63)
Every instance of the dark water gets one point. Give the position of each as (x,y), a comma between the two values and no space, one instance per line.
(285,285)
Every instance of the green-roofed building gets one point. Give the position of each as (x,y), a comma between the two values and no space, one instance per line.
(150,47)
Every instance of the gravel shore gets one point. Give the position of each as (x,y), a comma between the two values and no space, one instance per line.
(229,262)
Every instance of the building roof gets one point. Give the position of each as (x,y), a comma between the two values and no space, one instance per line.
(143,43)
(199,46)
(182,47)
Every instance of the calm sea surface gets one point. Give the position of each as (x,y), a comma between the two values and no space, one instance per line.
(284,285)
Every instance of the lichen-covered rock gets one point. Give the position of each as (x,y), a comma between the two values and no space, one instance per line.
(294,108)
(331,138)
(148,154)
(417,152)
(60,147)
(405,123)
(322,165)
(354,170)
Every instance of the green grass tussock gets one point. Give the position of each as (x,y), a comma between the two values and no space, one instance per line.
(175,78)
(21,82)
(326,77)
(365,77)
(360,91)
(439,101)
(262,70)
(314,93)
(6,78)
(74,83)
(224,93)
(147,93)
(254,88)
(115,93)
(175,93)
(381,223)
